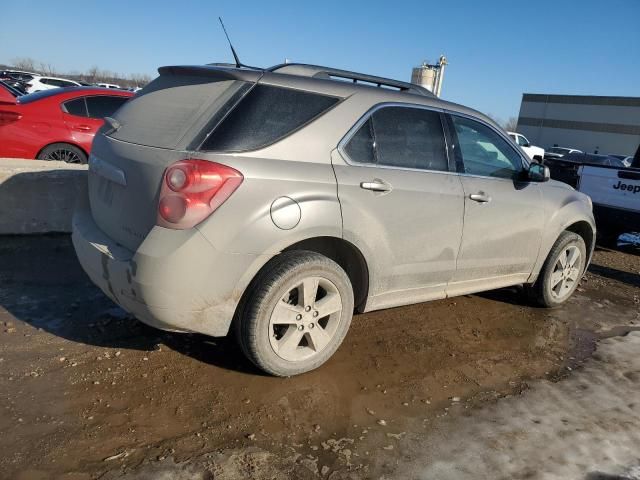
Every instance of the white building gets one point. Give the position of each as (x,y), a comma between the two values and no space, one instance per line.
(607,125)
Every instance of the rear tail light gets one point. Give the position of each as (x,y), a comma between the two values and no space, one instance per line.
(192,190)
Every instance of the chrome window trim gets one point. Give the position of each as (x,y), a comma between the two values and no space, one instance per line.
(367,115)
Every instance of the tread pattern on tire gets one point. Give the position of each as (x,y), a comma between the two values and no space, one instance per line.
(263,286)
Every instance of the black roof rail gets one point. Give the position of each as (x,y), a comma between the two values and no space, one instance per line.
(317,71)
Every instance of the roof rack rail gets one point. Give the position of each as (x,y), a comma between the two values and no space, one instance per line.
(317,71)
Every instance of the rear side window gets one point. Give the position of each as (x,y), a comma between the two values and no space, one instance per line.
(104,106)
(264,116)
(401,137)
(76,107)
(361,146)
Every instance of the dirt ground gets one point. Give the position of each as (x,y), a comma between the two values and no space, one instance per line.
(88,392)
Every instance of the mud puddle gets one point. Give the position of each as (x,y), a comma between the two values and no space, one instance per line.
(86,391)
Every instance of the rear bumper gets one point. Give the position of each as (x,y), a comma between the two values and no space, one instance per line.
(175,281)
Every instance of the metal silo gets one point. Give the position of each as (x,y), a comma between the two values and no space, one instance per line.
(430,76)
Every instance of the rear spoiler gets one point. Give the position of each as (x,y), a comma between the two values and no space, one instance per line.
(215,72)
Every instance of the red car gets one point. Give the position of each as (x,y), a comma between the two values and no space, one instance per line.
(57,124)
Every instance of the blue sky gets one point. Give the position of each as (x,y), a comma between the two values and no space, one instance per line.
(496,49)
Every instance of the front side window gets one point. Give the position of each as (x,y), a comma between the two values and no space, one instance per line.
(401,137)
(104,106)
(265,115)
(483,151)
(522,141)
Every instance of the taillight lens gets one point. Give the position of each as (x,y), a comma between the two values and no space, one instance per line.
(192,190)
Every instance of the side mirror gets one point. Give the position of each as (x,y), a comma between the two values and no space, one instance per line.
(539,172)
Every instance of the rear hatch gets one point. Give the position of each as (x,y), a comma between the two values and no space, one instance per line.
(159,126)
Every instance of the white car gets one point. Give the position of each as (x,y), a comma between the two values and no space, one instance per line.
(107,85)
(533,152)
(39,83)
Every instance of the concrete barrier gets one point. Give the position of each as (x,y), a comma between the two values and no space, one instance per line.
(38,196)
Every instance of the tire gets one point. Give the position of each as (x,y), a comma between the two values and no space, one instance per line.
(556,284)
(63,152)
(283,333)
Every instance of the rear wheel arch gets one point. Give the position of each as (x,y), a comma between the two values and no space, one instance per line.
(344,253)
(348,256)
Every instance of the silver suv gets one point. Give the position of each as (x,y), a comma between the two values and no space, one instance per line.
(277,202)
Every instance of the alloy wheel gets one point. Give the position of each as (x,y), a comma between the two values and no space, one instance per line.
(63,155)
(305,319)
(566,272)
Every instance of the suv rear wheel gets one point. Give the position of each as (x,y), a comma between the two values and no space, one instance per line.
(297,314)
(561,272)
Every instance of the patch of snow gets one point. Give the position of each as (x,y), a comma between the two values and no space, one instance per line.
(584,427)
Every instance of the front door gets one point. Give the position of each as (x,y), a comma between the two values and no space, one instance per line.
(503,218)
(401,203)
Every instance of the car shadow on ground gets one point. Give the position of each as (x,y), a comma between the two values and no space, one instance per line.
(516,296)
(606,476)
(631,279)
(43,285)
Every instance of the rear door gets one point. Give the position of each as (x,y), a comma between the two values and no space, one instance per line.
(76,118)
(85,115)
(503,218)
(401,203)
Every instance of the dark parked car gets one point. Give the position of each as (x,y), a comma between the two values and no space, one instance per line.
(11,89)
(16,79)
(565,169)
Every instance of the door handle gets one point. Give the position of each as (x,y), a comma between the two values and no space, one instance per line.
(480,197)
(82,128)
(376,185)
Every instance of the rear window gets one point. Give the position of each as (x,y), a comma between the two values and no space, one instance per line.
(264,116)
(161,114)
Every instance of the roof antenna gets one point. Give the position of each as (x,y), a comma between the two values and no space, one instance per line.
(233,50)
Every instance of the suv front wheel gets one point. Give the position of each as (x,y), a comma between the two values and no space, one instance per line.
(561,272)
(297,313)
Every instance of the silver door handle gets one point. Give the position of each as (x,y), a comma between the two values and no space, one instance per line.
(376,186)
(480,197)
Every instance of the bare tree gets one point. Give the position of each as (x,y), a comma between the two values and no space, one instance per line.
(92,75)
(47,69)
(24,63)
(511,125)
